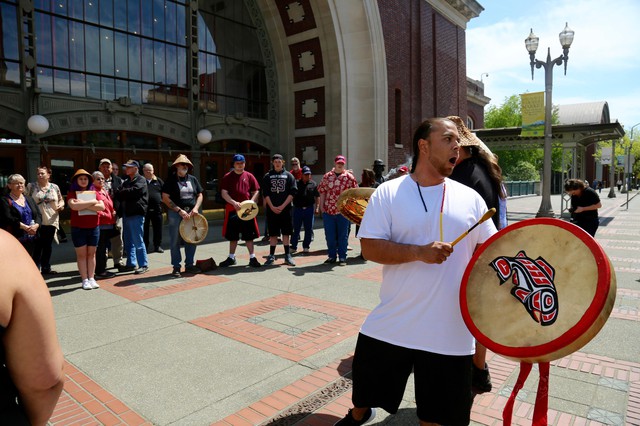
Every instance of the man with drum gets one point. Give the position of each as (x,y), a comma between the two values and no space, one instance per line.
(182,194)
(237,186)
(278,189)
(418,325)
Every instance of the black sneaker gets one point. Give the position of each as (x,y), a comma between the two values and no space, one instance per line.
(176,273)
(480,380)
(105,274)
(159,250)
(288,259)
(141,270)
(192,269)
(254,263)
(126,268)
(270,259)
(330,260)
(343,262)
(350,421)
(228,262)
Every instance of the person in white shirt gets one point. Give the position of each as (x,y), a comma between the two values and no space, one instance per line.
(418,325)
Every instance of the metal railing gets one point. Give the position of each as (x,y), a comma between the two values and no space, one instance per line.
(519,188)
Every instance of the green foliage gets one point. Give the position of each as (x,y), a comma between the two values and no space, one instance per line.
(523,170)
(524,164)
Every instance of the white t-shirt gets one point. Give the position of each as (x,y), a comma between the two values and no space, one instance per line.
(419,302)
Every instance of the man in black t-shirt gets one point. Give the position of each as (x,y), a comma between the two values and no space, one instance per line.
(585,203)
(182,194)
(278,189)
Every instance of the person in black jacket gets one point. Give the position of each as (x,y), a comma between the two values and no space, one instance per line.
(585,203)
(134,198)
(154,210)
(19,214)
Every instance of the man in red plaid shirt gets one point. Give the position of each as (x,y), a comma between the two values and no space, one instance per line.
(336,226)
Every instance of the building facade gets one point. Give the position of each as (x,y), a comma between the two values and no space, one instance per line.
(142,79)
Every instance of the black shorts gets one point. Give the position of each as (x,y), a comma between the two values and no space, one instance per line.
(278,224)
(236,227)
(442,382)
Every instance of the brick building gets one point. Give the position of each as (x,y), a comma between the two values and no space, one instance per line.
(310,78)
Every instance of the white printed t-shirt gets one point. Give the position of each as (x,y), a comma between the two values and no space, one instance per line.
(419,302)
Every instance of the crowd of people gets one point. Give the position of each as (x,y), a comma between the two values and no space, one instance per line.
(452,177)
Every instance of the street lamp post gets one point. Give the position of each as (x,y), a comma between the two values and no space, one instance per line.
(531,43)
(627,181)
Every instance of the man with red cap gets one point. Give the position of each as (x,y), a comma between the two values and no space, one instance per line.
(336,226)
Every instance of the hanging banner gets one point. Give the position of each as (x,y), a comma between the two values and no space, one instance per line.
(532,114)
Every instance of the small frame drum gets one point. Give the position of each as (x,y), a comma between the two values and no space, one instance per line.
(353,202)
(248,210)
(194,230)
(538,290)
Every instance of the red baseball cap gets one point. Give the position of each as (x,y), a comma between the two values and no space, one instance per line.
(340,159)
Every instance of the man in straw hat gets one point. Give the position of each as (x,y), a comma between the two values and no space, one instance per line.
(239,185)
(182,194)
(478,168)
(134,199)
(418,325)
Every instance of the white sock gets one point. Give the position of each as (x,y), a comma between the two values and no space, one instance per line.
(252,255)
(232,256)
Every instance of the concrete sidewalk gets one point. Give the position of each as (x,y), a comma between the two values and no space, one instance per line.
(240,346)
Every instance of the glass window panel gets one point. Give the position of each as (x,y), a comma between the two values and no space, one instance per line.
(92,52)
(135,92)
(106,13)
(182,67)
(134,58)
(170,21)
(60,7)
(147,93)
(181,22)
(147,60)
(121,56)
(9,32)
(108,89)
(91,11)
(122,89)
(93,86)
(120,14)
(13,75)
(106,52)
(76,9)
(43,41)
(42,4)
(159,73)
(61,42)
(133,15)
(158,19)
(61,82)
(172,66)
(146,13)
(76,46)
(45,79)
(202,32)
(78,85)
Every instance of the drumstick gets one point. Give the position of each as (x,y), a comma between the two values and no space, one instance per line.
(484,217)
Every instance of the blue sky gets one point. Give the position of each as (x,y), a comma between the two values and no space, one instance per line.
(604,59)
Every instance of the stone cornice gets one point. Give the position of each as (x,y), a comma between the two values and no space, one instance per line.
(460,12)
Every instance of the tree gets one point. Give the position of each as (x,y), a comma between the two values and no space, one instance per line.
(509,114)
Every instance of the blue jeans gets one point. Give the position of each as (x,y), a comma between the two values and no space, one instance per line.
(136,249)
(336,231)
(302,216)
(174,241)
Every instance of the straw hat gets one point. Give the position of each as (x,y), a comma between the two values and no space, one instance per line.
(81,172)
(182,159)
(467,138)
